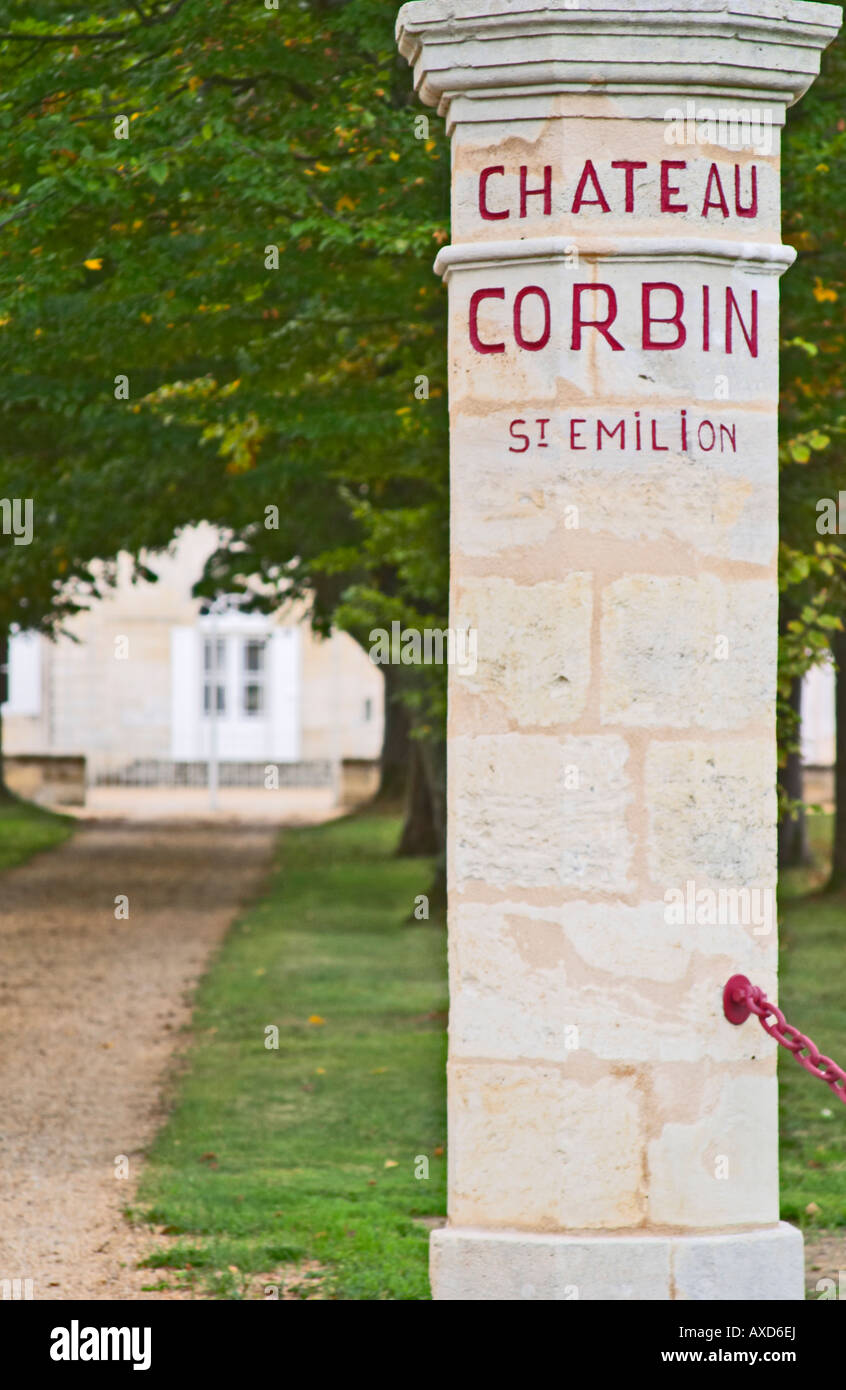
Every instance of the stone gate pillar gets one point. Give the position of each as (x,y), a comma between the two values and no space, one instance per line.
(613,282)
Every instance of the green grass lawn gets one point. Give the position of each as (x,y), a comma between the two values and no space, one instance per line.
(26,829)
(306,1155)
(812,994)
(309,1152)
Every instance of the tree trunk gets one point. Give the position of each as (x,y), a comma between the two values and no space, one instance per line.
(5,794)
(435,767)
(419,837)
(793,849)
(838,864)
(396,753)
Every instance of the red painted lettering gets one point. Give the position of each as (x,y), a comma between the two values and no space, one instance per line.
(545,192)
(669,190)
(733,308)
(517,435)
(629,165)
(752,209)
(720,200)
(580,200)
(601,325)
(475,300)
(648,318)
(483,193)
(621,426)
(523,342)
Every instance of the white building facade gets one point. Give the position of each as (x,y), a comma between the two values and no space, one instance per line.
(147,683)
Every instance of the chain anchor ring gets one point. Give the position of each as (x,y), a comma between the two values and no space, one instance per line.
(741,998)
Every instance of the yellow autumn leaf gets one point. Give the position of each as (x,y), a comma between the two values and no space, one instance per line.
(390,1163)
(321,1071)
(344,203)
(324,168)
(823,295)
(95,263)
(393,155)
(316,1020)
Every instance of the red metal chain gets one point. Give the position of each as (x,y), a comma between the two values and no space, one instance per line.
(741,998)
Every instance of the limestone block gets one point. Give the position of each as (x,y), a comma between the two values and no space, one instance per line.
(549,501)
(603,981)
(533,646)
(519,1266)
(532,1150)
(538,184)
(541,811)
(746,1266)
(686,652)
(712,811)
(526,330)
(752,1266)
(721,1167)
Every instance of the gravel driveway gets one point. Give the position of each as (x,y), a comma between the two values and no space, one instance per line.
(91,1009)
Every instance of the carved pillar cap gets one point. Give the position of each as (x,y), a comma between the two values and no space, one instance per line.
(494,59)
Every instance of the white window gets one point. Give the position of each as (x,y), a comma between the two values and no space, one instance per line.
(214,675)
(253,702)
(246,673)
(24,674)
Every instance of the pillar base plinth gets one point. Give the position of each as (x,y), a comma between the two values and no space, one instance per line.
(748,1266)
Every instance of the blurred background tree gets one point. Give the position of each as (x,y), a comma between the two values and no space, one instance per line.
(218,224)
(813,434)
(236,207)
